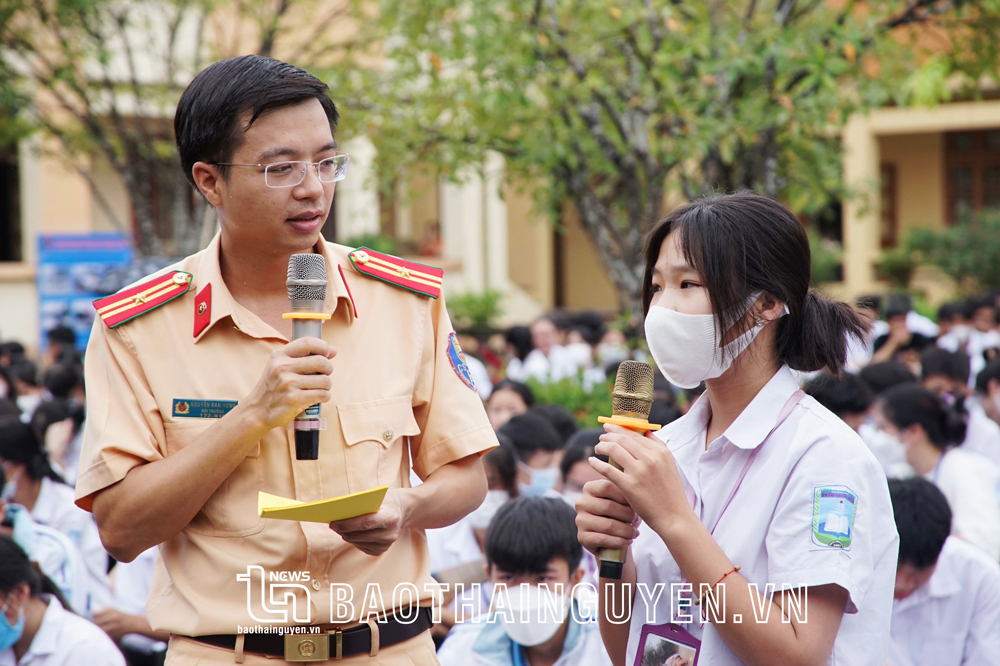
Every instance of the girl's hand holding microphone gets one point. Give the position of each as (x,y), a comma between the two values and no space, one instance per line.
(604,518)
(649,483)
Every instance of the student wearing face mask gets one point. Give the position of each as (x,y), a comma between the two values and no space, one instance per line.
(539,451)
(35,627)
(532,551)
(757,485)
(930,431)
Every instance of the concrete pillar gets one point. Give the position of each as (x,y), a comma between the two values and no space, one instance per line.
(861,218)
(495,218)
(356,199)
(461,207)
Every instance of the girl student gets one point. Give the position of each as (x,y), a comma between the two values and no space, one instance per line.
(759,496)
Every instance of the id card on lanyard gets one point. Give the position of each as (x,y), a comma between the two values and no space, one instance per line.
(670,636)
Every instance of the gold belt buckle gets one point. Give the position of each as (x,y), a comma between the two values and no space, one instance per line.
(303,648)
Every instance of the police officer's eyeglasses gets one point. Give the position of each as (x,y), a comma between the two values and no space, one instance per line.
(290,174)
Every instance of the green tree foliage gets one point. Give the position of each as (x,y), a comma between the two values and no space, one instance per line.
(968,252)
(609,104)
(103,77)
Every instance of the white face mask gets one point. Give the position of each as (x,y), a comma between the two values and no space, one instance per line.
(542,480)
(610,353)
(581,353)
(686,347)
(481,517)
(535,614)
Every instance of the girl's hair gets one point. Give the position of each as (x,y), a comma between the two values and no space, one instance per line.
(20,444)
(523,390)
(520,338)
(16,568)
(504,459)
(907,404)
(742,243)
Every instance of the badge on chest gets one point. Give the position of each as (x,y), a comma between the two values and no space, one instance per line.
(201,409)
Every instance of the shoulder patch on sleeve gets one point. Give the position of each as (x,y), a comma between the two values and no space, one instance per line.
(116,309)
(457,358)
(834,509)
(418,278)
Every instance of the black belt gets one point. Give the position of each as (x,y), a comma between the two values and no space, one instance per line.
(331,644)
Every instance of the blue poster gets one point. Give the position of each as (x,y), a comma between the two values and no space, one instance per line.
(73,271)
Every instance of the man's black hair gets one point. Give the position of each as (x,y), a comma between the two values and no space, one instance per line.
(949,311)
(882,376)
(847,394)
(579,447)
(530,432)
(528,532)
(561,419)
(523,390)
(61,379)
(63,335)
(520,338)
(209,123)
(937,361)
(923,520)
(991,371)
(24,370)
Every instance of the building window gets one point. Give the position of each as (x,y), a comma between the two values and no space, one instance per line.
(972,172)
(10,205)
(890,207)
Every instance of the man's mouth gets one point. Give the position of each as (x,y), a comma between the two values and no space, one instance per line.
(307,220)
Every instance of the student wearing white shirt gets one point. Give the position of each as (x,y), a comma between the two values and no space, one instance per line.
(757,484)
(32,483)
(35,628)
(947,601)
(532,551)
(929,430)
(976,339)
(947,374)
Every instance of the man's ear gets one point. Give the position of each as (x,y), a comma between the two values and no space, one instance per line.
(577,576)
(208,180)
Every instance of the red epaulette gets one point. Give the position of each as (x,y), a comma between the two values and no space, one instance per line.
(128,304)
(418,278)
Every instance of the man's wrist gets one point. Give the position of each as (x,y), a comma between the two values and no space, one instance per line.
(407,506)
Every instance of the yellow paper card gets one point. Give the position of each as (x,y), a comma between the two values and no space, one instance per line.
(323,511)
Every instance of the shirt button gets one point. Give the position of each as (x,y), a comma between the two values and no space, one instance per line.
(388,435)
(315,584)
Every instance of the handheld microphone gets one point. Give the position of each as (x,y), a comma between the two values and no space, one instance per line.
(307,292)
(631,401)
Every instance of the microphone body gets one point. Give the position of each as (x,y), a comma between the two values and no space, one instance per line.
(631,401)
(307,294)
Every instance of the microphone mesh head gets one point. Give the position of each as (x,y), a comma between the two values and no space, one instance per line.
(633,394)
(307,277)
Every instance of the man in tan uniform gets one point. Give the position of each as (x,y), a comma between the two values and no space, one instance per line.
(192,385)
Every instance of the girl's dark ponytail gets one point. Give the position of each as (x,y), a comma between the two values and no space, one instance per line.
(907,404)
(816,337)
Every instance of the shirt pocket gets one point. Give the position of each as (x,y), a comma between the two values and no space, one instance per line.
(374,435)
(231,511)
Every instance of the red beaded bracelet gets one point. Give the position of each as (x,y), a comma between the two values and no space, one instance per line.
(704,594)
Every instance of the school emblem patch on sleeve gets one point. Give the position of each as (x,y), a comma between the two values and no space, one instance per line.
(457,358)
(834,509)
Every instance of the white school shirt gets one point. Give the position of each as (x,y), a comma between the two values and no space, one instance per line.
(65,639)
(57,557)
(982,434)
(954,618)
(768,528)
(55,508)
(970,483)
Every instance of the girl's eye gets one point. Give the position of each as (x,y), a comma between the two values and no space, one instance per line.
(655,288)
(687,284)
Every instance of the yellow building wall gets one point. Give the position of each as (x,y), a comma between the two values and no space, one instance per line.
(919,161)
(585,282)
(530,243)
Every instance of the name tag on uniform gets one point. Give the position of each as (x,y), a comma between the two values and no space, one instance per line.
(202,409)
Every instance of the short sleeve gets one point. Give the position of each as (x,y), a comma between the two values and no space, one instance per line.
(833,523)
(123,428)
(448,409)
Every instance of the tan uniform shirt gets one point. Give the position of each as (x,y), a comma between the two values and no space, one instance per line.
(396,397)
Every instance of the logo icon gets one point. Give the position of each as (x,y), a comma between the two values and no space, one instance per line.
(281,601)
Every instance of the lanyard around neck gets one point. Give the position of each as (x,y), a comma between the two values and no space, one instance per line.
(785,412)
